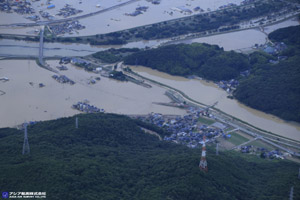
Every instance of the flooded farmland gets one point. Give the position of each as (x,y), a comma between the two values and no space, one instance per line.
(24,100)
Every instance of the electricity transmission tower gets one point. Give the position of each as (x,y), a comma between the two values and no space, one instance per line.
(203,162)
(76,122)
(26,149)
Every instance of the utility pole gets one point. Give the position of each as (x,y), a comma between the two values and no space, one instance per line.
(203,162)
(26,148)
(217,149)
(292,193)
(76,122)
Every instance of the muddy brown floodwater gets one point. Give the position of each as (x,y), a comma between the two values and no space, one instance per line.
(209,93)
(27,102)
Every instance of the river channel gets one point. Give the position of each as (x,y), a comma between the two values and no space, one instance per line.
(209,93)
(229,41)
(55,100)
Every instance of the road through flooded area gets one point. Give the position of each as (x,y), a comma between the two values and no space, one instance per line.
(208,93)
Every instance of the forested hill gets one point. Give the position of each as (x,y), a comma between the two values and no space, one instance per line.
(275,88)
(108,157)
(289,35)
(204,60)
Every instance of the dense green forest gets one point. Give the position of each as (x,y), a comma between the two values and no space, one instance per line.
(275,88)
(208,61)
(272,88)
(289,35)
(109,157)
(114,55)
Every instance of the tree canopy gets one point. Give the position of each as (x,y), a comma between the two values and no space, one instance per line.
(207,61)
(109,157)
(275,88)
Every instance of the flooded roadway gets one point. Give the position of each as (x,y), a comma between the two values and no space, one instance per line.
(229,41)
(116,19)
(27,102)
(55,100)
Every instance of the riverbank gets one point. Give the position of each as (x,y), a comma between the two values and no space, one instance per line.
(229,41)
(203,94)
(55,100)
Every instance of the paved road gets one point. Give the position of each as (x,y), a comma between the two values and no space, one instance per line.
(41,49)
(227,120)
(41,53)
(257,136)
(280,147)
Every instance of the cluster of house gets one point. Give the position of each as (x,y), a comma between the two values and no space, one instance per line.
(66,27)
(229,5)
(184,130)
(197,112)
(264,153)
(5,7)
(20,7)
(62,68)
(24,7)
(247,2)
(138,11)
(33,17)
(274,49)
(198,9)
(182,9)
(228,86)
(93,80)
(185,10)
(87,108)
(156,2)
(194,138)
(4,79)
(46,15)
(246,149)
(79,62)
(74,61)
(65,60)
(68,10)
(271,154)
(63,79)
